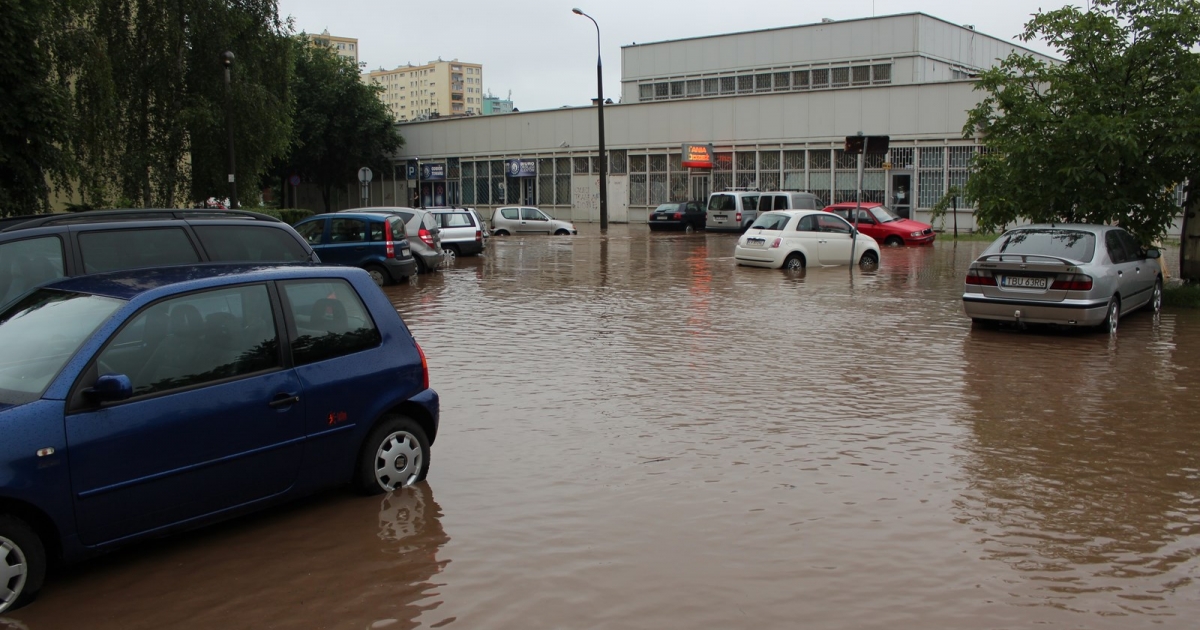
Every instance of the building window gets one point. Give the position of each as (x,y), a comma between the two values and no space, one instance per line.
(722,178)
(820,176)
(762,82)
(745,84)
(677,89)
(840,77)
(660,90)
(783,81)
(746,175)
(710,87)
(793,170)
(861,75)
(881,73)
(616,161)
(693,87)
(581,166)
(727,85)
(800,80)
(820,78)
(562,180)
(930,175)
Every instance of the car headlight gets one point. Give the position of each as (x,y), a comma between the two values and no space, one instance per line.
(915,234)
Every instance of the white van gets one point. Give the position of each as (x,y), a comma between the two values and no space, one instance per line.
(731,210)
(788,201)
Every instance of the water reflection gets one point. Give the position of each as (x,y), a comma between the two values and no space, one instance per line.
(1081,472)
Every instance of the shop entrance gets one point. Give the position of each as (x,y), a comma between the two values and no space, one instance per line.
(528,193)
(902,194)
(701,186)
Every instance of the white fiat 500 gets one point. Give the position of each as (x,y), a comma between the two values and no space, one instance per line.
(795,239)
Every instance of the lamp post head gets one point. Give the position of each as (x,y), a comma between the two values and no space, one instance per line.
(227,58)
(576,11)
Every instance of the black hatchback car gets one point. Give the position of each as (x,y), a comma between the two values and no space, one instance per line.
(40,248)
(688,216)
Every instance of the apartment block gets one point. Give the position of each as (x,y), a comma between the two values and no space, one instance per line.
(438,89)
(344,46)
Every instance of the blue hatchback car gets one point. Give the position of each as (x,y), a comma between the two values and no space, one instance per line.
(135,403)
(370,241)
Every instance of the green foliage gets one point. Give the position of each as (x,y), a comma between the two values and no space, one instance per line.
(1182,295)
(938,211)
(1103,137)
(291,216)
(340,122)
(33,110)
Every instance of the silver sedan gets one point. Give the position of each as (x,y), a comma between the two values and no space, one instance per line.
(1067,274)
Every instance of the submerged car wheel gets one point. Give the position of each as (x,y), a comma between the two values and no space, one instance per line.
(451,255)
(1156,299)
(869,259)
(501,233)
(22,563)
(396,454)
(794,262)
(378,275)
(894,241)
(562,233)
(689,229)
(1114,316)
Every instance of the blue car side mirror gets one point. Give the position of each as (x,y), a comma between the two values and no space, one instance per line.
(110,388)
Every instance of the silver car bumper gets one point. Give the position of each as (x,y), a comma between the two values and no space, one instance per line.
(1066,312)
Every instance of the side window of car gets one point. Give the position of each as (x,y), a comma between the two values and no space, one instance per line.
(1116,249)
(251,243)
(781,202)
(347,231)
(532,214)
(27,263)
(312,231)
(194,339)
(329,318)
(509,213)
(832,224)
(112,250)
(1133,250)
(376,230)
(398,229)
(458,219)
(807,223)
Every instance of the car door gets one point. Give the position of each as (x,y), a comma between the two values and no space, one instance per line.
(1145,270)
(347,242)
(313,232)
(867,224)
(334,344)
(533,221)
(833,241)
(215,421)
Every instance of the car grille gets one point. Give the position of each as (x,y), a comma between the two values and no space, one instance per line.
(927,231)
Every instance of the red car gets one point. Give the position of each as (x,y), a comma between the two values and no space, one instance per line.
(876,221)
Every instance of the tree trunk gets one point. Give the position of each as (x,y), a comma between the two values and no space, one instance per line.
(326,189)
(1189,241)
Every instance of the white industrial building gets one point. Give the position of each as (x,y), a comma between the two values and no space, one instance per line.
(776,105)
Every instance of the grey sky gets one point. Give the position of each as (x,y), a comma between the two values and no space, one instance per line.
(547,55)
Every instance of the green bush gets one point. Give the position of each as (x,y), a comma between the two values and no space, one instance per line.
(291,216)
(1182,295)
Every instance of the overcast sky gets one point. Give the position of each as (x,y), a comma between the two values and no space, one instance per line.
(546,55)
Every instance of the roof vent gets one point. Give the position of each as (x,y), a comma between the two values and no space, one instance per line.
(969,27)
(827,20)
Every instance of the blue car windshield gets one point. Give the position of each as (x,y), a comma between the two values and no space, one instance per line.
(40,333)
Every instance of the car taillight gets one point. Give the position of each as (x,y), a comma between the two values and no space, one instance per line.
(426,236)
(776,243)
(478,235)
(738,218)
(1072,282)
(424,366)
(389,246)
(980,278)
(677,216)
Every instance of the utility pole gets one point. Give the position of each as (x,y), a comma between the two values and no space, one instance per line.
(227,61)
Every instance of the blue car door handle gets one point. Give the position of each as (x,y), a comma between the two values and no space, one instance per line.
(284,399)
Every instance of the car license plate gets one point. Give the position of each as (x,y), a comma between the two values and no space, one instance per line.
(756,242)
(404,251)
(657,218)
(719,218)
(1024,282)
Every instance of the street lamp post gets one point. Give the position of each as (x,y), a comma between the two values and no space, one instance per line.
(227,61)
(600,114)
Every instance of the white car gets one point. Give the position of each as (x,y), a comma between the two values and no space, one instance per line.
(795,239)
(528,220)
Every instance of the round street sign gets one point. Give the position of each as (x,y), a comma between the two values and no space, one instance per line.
(364,175)
(294,180)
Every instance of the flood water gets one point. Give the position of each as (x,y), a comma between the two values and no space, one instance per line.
(636,433)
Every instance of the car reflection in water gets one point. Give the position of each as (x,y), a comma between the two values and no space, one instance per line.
(1077,474)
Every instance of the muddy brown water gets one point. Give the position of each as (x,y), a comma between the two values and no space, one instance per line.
(638,434)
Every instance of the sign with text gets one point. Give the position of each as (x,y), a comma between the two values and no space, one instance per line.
(431,171)
(697,155)
(866,144)
(521,168)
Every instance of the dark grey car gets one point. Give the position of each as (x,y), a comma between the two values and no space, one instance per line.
(1067,274)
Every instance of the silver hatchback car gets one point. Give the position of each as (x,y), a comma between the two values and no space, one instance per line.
(1066,274)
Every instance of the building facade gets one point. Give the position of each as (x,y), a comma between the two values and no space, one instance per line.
(438,89)
(776,105)
(344,46)
(497,105)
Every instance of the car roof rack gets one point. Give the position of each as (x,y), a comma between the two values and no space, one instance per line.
(131,214)
(739,189)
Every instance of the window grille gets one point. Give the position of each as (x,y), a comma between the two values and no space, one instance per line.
(818,160)
(468,170)
(762,82)
(710,87)
(783,81)
(675,162)
(901,157)
(562,187)
(616,160)
(723,162)
(453,168)
(637,189)
(497,168)
(768,160)
(932,157)
(960,157)
(840,77)
(679,187)
(562,165)
(861,75)
(677,89)
(722,181)
(646,92)
(800,80)
(660,90)
(881,73)
(483,187)
(929,187)
(793,160)
(581,165)
(637,164)
(545,181)
(468,182)
(747,161)
(512,190)
(658,189)
(658,163)
(693,87)
(745,83)
(768,181)
(958,177)
(845,161)
(820,78)
(727,85)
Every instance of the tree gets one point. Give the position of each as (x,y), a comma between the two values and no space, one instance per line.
(33,112)
(340,122)
(1103,137)
(147,95)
